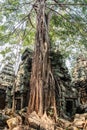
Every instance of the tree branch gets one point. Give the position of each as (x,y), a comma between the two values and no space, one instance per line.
(66,19)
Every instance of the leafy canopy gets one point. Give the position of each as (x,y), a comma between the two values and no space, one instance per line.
(67,29)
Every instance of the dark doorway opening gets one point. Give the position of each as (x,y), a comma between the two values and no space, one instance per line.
(18,104)
(2,99)
(69,107)
(25,99)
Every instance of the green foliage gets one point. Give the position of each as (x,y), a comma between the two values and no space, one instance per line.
(7,50)
(67,29)
(30,38)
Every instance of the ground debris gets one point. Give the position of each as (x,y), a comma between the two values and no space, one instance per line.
(43,123)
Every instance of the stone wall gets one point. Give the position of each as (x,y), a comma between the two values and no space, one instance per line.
(65,92)
(7,78)
(23,80)
(80,78)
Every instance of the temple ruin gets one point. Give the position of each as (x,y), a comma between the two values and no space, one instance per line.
(7,78)
(11,86)
(66,94)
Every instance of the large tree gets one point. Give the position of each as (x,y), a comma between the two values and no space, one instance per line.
(42,84)
(68,31)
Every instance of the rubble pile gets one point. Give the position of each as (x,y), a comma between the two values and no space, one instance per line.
(79,123)
(44,123)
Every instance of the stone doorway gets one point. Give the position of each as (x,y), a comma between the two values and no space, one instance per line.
(69,107)
(2,99)
(18,104)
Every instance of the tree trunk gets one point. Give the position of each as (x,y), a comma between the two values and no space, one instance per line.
(42,84)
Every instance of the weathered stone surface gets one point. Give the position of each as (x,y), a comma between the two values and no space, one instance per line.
(7,75)
(34,120)
(14,121)
(79,75)
(22,81)
(66,94)
(79,124)
(18,128)
(59,128)
(80,72)
(66,123)
(23,75)
(72,128)
(7,78)
(59,67)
